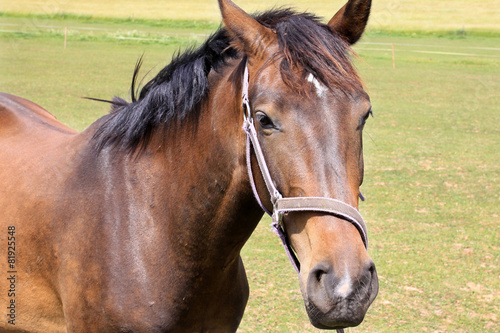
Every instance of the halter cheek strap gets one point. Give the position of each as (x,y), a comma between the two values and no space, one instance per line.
(282,206)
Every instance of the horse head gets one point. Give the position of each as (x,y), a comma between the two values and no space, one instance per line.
(308,107)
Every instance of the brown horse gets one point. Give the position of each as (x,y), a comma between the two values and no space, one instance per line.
(136,224)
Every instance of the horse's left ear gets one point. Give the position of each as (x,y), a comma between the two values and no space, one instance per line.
(251,36)
(350,21)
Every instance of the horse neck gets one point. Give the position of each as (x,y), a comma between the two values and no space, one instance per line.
(195,184)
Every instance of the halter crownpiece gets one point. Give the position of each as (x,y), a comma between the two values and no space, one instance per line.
(282,206)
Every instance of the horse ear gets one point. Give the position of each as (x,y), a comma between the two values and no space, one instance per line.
(250,36)
(350,21)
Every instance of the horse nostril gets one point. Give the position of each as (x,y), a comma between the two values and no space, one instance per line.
(319,271)
(370,271)
(371,268)
(373,280)
(319,286)
(319,274)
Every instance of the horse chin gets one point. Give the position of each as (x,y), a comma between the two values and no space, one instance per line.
(333,319)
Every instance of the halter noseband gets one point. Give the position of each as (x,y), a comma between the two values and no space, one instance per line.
(282,205)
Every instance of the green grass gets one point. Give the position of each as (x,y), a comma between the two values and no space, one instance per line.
(431,158)
(428,15)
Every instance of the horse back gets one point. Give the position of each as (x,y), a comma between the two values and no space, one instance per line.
(19,116)
(35,155)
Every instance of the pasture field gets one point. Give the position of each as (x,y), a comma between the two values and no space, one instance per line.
(432,177)
(477,15)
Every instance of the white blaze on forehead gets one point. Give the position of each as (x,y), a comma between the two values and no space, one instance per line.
(320,89)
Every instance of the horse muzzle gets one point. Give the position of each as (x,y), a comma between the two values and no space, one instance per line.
(335,301)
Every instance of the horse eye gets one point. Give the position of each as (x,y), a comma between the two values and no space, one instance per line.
(264,120)
(365,118)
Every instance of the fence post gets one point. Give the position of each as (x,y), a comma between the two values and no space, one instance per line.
(393,57)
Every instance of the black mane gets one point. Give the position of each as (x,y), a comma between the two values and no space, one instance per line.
(178,89)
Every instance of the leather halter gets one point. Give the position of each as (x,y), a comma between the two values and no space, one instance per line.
(282,205)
